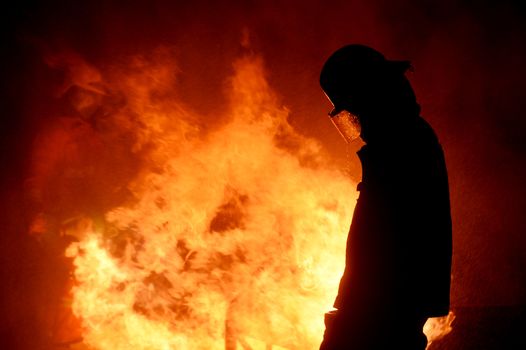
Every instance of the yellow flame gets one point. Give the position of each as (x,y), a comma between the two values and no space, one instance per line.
(238,232)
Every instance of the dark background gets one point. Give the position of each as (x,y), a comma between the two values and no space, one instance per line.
(469,59)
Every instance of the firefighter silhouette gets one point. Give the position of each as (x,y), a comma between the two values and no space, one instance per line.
(398,257)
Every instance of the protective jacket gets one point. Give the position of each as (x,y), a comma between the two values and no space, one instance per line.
(400,242)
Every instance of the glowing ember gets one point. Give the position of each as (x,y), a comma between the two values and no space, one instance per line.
(230,235)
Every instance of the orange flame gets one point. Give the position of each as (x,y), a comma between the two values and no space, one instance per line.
(240,230)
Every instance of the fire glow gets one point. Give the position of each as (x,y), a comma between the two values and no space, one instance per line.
(229,235)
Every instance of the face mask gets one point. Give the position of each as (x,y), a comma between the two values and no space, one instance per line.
(347,124)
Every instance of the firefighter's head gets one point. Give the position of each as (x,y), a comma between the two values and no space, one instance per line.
(359,80)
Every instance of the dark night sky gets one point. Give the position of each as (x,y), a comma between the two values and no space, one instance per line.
(469,77)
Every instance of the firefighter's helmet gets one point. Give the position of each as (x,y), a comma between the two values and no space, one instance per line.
(352,70)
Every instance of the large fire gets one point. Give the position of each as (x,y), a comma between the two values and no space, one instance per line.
(222,235)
